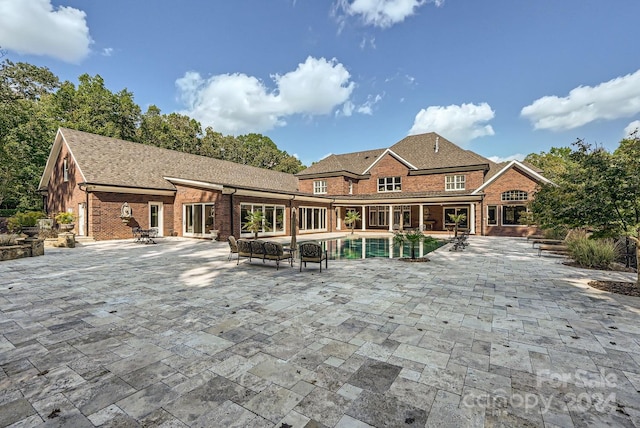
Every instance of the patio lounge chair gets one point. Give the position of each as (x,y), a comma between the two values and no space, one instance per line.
(275,251)
(312,252)
(233,246)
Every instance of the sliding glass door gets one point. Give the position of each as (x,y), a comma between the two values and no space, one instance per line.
(198,219)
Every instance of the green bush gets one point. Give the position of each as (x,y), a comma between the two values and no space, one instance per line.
(7,212)
(65,217)
(26,219)
(555,233)
(592,253)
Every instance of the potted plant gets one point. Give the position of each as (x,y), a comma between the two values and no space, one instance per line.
(65,220)
(351,218)
(254,223)
(26,222)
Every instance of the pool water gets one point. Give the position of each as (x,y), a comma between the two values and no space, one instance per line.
(363,248)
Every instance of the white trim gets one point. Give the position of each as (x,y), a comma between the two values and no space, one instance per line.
(395,155)
(131,190)
(53,158)
(441,200)
(503,170)
(160,226)
(195,183)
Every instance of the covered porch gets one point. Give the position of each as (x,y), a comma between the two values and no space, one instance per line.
(429,216)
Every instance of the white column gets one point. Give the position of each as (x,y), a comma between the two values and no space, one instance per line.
(364,247)
(338,218)
(421,214)
(472,218)
(390,218)
(363,217)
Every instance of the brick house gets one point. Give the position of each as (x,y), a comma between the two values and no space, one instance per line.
(420,180)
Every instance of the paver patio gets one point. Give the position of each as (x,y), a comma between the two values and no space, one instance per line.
(174,335)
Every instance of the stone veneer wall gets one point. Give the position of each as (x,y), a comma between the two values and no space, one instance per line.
(31,248)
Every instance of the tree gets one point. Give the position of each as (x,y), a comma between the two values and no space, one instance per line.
(599,190)
(254,221)
(413,238)
(351,218)
(457,219)
(26,132)
(92,107)
(552,164)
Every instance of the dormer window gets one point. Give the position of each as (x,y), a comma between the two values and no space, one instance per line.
(320,187)
(390,184)
(454,182)
(65,169)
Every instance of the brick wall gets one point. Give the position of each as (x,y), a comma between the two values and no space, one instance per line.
(105,208)
(335,185)
(64,195)
(512,179)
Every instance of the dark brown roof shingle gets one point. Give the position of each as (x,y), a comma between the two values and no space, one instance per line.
(110,161)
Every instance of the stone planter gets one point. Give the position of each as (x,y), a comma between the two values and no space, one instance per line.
(66,227)
(30,231)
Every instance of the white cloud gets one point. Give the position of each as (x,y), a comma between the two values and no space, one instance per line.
(498,159)
(107,51)
(367,106)
(237,103)
(633,126)
(614,99)
(458,123)
(379,13)
(35,27)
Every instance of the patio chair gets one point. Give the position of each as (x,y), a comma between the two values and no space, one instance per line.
(275,251)
(233,246)
(312,252)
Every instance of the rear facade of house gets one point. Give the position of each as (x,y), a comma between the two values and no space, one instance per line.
(414,184)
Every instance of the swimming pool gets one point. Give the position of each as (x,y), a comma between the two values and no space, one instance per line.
(368,247)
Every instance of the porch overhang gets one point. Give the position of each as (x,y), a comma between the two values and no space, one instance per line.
(408,201)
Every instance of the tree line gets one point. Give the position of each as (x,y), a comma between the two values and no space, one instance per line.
(34,104)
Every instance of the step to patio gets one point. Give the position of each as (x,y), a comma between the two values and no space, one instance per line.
(84,239)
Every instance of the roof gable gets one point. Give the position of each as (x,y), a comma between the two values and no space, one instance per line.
(390,153)
(500,169)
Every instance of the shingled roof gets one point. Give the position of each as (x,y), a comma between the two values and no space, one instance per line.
(417,150)
(354,163)
(110,161)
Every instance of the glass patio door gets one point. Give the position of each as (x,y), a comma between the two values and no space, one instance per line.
(198,219)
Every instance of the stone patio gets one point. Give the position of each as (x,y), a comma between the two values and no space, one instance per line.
(174,335)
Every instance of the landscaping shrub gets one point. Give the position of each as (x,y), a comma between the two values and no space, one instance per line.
(26,219)
(592,253)
(555,233)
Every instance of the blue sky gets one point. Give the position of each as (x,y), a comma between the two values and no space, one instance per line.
(503,78)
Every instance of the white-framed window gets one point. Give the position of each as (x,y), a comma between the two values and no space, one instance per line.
(390,184)
(273,223)
(515,195)
(65,169)
(320,187)
(454,182)
(197,219)
(378,215)
(351,187)
(312,218)
(464,224)
(511,215)
(492,215)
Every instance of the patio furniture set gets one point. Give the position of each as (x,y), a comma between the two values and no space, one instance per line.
(275,251)
(144,236)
